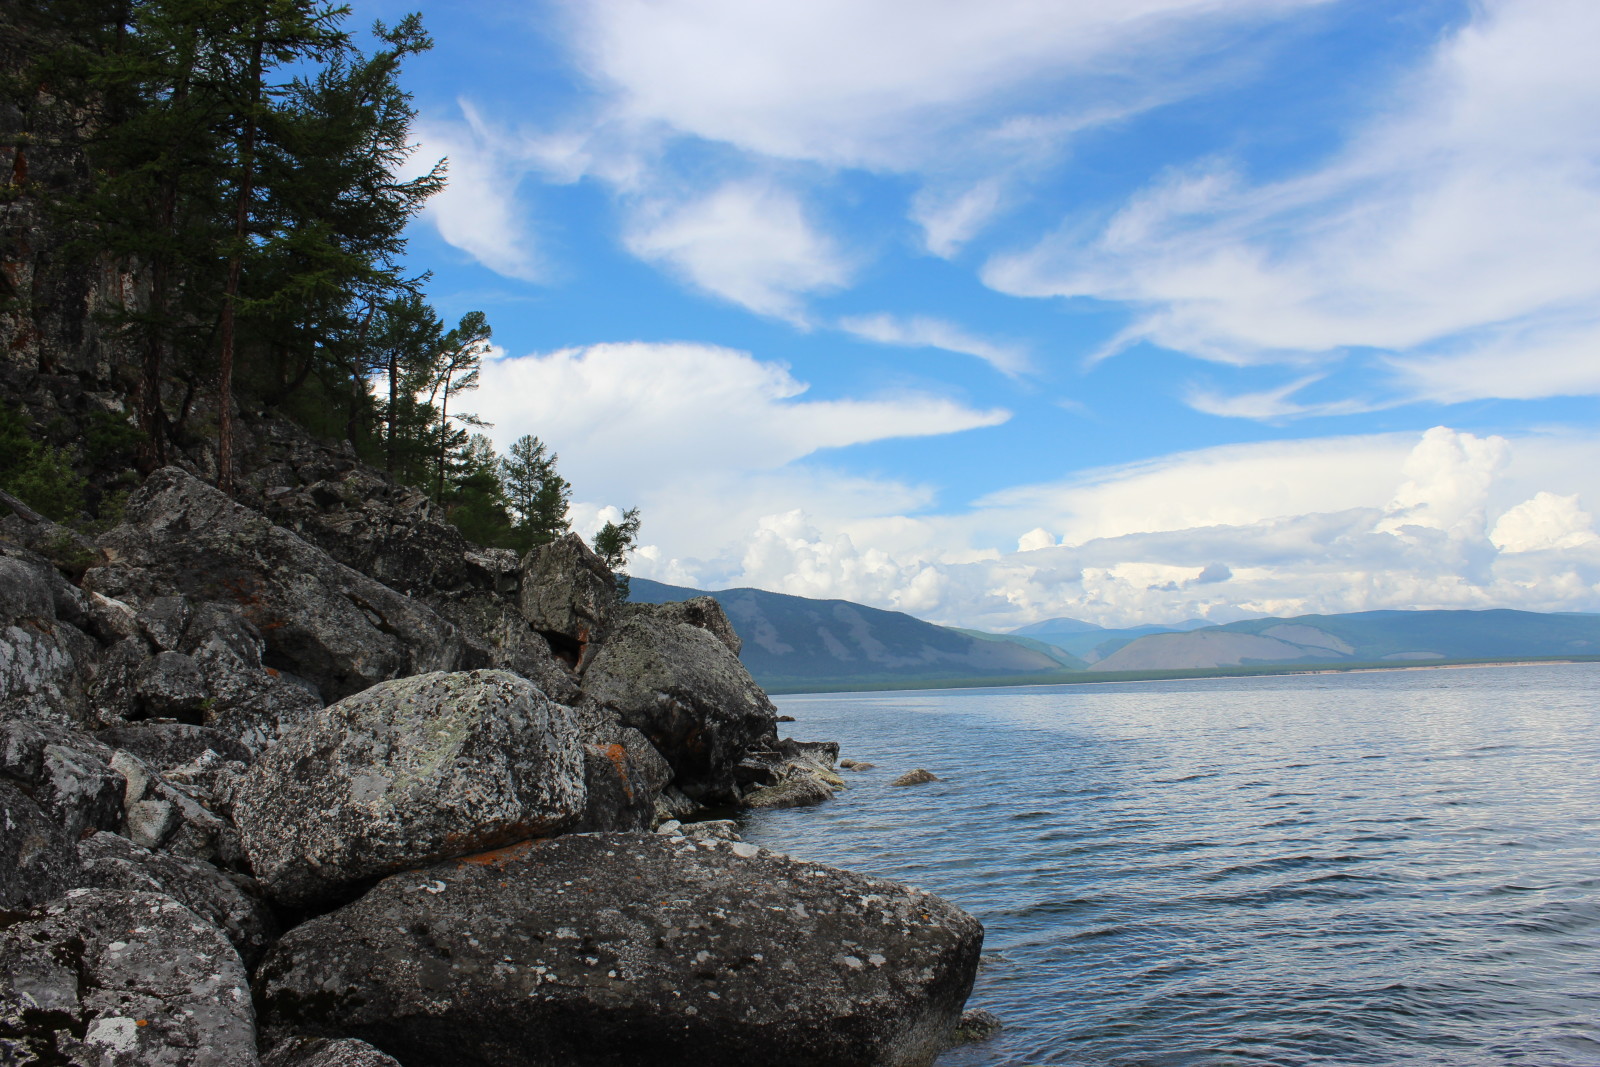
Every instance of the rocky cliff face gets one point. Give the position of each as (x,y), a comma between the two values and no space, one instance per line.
(313,740)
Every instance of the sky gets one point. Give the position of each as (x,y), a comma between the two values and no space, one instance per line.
(1004,311)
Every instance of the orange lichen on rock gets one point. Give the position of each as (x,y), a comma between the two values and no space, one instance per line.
(499,857)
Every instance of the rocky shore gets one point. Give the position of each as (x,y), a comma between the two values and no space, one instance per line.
(304,778)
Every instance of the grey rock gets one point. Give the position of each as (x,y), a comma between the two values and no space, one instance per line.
(163,621)
(323,1052)
(151,822)
(916,777)
(228,901)
(567,595)
(623,778)
(721,829)
(976,1024)
(55,786)
(321,619)
(406,773)
(669,828)
(105,978)
(625,949)
(798,791)
(701,611)
(45,659)
(170,685)
(38,856)
(163,745)
(689,695)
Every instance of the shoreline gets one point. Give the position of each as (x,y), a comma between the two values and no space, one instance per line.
(1184,674)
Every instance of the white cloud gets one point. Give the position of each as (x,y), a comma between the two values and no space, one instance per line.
(923,332)
(1546,522)
(1453,232)
(748,242)
(1351,524)
(885,83)
(705,440)
(478,211)
(950,221)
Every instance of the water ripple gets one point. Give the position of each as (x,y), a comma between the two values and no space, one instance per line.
(1382,868)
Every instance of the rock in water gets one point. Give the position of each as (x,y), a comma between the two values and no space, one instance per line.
(916,777)
(407,773)
(686,691)
(612,950)
(119,979)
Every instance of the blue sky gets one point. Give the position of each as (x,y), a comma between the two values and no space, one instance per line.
(995,312)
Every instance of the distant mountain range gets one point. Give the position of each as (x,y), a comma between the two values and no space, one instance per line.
(795,644)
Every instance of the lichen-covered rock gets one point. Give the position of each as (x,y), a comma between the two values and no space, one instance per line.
(702,611)
(682,688)
(322,1052)
(164,745)
(54,787)
(625,949)
(623,777)
(567,595)
(45,660)
(227,901)
(321,619)
(114,979)
(406,773)
(797,791)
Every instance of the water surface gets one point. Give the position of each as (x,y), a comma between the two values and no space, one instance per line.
(1388,867)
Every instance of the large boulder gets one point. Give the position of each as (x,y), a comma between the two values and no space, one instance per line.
(567,595)
(407,773)
(226,900)
(320,619)
(45,659)
(683,688)
(55,787)
(623,949)
(322,1052)
(117,979)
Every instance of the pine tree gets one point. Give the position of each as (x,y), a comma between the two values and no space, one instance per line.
(537,495)
(613,543)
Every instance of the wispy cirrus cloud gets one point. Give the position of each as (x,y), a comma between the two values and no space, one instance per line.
(1453,234)
(921,331)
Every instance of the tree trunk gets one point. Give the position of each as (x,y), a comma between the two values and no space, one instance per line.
(241,221)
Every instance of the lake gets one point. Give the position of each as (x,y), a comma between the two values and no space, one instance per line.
(1385,867)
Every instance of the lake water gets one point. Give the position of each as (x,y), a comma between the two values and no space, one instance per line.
(1388,867)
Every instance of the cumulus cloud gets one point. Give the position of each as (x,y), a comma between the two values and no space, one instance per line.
(1393,521)
(1453,233)
(920,331)
(747,242)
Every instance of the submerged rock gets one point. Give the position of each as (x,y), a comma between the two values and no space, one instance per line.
(800,791)
(976,1025)
(625,949)
(916,777)
(407,773)
(119,979)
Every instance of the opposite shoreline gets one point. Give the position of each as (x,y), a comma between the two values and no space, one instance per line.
(779,688)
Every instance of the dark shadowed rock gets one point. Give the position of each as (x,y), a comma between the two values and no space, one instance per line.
(115,979)
(626,949)
(46,661)
(624,777)
(406,773)
(684,690)
(227,901)
(976,1025)
(321,619)
(567,595)
(322,1052)
(164,745)
(54,788)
